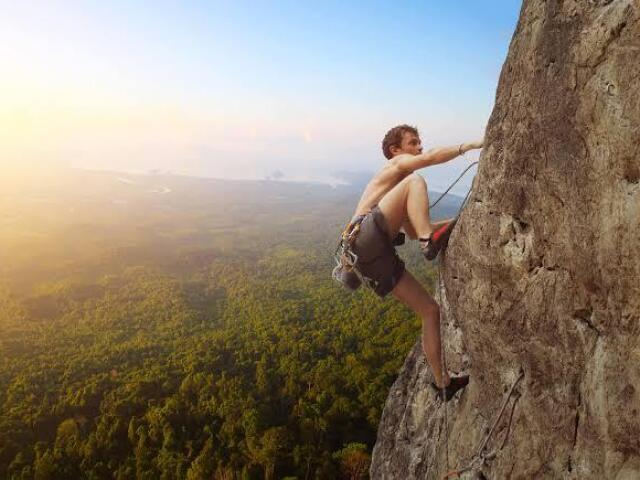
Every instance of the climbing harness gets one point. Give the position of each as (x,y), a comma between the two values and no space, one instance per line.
(481,457)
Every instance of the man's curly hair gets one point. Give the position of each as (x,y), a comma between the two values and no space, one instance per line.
(393,138)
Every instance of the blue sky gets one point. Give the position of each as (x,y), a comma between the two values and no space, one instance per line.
(241,89)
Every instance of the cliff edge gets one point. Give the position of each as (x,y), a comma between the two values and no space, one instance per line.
(542,273)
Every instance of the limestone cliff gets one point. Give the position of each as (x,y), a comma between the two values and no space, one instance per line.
(543,269)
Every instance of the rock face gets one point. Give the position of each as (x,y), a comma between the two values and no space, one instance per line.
(542,272)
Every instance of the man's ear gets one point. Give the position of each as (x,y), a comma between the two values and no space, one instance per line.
(394,149)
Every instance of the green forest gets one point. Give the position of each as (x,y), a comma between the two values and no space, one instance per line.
(167,327)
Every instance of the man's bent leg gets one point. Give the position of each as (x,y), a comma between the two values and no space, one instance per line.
(409,291)
(409,230)
(408,199)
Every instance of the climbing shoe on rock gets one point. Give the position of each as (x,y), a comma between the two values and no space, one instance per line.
(456,383)
(437,241)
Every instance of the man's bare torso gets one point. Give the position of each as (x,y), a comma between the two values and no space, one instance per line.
(383,181)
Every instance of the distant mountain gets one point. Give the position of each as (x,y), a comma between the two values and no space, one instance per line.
(356,179)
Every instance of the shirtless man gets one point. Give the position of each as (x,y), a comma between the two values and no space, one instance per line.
(396,198)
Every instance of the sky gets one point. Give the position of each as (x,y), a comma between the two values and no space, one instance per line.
(244,89)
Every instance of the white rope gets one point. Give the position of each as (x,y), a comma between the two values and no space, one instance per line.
(452,185)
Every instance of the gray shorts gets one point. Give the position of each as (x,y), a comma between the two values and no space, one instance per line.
(378,261)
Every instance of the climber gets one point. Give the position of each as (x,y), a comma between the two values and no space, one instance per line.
(396,199)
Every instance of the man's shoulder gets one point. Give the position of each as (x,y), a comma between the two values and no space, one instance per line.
(391,167)
(391,171)
(400,162)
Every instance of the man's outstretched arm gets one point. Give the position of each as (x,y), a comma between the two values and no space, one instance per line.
(411,163)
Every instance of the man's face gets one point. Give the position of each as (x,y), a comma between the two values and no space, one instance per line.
(410,144)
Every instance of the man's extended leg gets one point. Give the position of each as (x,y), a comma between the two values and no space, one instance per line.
(409,291)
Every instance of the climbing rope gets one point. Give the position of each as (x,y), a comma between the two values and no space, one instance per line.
(443,388)
(442,353)
(452,185)
(480,457)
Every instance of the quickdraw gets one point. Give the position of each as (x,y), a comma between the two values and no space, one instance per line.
(346,254)
(346,259)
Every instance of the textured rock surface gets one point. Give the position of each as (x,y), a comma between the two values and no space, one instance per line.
(543,270)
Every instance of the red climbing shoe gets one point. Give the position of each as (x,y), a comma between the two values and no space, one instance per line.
(437,241)
(456,383)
